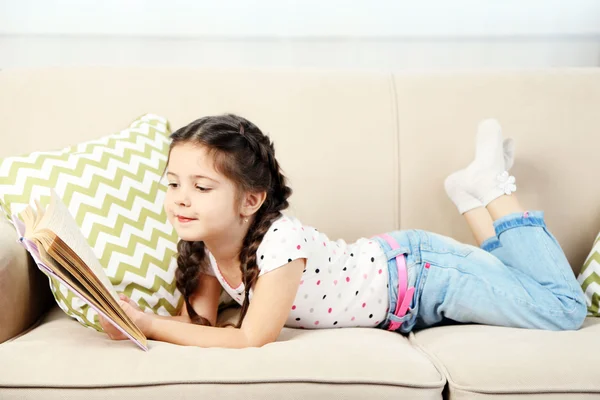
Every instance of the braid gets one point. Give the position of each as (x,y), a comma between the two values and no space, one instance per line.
(265,150)
(276,201)
(190,259)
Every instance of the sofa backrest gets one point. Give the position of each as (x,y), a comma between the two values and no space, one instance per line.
(365,153)
(554,117)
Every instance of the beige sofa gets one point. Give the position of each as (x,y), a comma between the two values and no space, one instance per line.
(365,153)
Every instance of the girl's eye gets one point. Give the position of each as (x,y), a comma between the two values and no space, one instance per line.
(173,185)
(202,189)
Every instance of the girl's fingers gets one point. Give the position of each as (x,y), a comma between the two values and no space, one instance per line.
(126,299)
(112,332)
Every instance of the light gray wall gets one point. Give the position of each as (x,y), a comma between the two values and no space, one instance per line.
(341,34)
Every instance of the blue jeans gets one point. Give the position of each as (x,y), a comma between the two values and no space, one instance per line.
(518,278)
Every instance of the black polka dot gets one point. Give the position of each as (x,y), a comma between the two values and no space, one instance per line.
(356,294)
(370,315)
(297,319)
(317,270)
(345,268)
(304,271)
(324,296)
(289,260)
(262,257)
(351,254)
(329,259)
(387,286)
(372,259)
(305,240)
(275,230)
(335,322)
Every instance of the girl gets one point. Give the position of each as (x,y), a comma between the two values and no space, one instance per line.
(225,199)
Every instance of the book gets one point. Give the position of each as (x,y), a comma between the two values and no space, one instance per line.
(59,249)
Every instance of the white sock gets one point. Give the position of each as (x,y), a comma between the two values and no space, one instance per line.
(508,146)
(485,178)
(461,199)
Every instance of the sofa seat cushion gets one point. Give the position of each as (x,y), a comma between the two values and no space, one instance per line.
(65,358)
(496,362)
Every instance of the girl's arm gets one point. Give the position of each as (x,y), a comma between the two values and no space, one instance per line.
(205,302)
(272,300)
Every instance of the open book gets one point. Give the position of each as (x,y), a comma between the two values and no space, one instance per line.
(58,247)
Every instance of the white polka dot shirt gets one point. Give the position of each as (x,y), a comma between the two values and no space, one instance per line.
(343,285)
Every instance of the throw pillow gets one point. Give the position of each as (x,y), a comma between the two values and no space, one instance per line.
(114,188)
(589,278)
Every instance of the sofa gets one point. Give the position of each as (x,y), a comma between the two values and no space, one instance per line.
(365,153)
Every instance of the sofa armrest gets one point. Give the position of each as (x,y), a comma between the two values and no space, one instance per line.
(24,291)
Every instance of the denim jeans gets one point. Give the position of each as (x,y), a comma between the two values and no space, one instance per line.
(518,278)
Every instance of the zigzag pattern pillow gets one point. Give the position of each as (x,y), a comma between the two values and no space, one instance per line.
(112,186)
(589,278)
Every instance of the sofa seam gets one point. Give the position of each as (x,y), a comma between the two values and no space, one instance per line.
(439,366)
(217,382)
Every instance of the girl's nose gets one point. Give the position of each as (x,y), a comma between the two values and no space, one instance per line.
(182,200)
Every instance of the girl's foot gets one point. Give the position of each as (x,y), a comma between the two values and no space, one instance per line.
(486,178)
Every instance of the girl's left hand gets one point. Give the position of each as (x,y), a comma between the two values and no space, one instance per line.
(140,318)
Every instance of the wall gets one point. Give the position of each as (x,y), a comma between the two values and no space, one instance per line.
(358,35)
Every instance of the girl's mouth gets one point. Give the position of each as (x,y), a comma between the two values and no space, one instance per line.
(184,219)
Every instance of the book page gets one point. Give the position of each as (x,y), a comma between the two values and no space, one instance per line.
(43,260)
(79,279)
(58,219)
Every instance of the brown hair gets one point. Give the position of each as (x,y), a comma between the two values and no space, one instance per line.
(246,156)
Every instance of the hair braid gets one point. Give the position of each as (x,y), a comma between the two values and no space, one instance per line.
(191,259)
(275,202)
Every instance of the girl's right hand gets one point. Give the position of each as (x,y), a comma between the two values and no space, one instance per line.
(109,328)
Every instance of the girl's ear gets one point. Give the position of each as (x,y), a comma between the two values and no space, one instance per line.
(251,202)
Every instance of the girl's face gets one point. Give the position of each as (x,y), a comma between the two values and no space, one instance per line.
(200,202)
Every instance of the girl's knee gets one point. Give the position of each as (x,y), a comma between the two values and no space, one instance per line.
(573,316)
(578,315)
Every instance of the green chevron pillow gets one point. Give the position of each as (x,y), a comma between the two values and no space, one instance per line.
(113,187)
(589,278)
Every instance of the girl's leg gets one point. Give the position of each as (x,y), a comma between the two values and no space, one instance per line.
(521,278)
(481,219)
(504,205)
(503,284)
(481,224)
(525,245)
(477,216)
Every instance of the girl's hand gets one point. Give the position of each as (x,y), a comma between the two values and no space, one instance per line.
(140,318)
(110,330)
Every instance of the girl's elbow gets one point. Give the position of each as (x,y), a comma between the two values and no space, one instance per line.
(259,343)
(258,340)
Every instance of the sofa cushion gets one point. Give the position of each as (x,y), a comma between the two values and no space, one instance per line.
(63,358)
(114,188)
(589,278)
(486,361)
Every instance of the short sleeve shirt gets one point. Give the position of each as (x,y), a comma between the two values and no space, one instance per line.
(343,285)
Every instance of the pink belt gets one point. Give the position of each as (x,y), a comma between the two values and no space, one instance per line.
(405,293)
